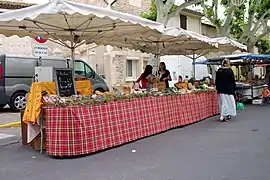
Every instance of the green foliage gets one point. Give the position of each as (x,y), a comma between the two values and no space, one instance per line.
(263,7)
(152,15)
(238,23)
(263,45)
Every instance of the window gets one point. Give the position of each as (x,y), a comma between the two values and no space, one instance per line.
(79,68)
(88,71)
(174,76)
(183,22)
(82,69)
(132,68)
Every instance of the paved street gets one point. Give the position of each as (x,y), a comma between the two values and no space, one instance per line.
(10,134)
(209,150)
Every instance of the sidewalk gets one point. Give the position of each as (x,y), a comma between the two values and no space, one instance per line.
(11,132)
(8,117)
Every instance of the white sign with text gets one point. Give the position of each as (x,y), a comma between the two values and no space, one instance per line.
(41,50)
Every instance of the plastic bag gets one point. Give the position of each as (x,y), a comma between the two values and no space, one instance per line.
(240,106)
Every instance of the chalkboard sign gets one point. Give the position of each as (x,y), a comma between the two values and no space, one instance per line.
(65,84)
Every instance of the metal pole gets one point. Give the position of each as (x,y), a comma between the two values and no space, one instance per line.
(72,57)
(238,73)
(72,47)
(157,60)
(194,67)
(251,74)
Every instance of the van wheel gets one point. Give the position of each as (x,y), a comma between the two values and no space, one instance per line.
(100,90)
(18,101)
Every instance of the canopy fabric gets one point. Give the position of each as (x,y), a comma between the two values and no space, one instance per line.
(262,65)
(230,57)
(228,45)
(174,41)
(66,20)
(194,43)
(239,59)
(218,62)
(256,57)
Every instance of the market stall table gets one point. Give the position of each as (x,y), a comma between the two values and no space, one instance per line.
(250,88)
(79,130)
(249,91)
(33,113)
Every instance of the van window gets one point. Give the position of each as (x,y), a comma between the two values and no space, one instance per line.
(79,68)
(88,71)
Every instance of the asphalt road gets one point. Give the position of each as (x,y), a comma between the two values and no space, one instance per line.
(209,150)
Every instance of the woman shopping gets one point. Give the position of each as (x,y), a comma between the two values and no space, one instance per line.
(225,85)
(145,77)
(164,74)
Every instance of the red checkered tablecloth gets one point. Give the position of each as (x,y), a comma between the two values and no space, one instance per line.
(79,130)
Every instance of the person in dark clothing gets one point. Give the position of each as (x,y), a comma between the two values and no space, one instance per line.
(164,74)
(226,87)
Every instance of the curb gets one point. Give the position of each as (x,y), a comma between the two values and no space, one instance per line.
(11,125)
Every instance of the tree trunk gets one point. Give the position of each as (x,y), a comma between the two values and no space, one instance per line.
(223,31)
(251,44)
(251,48)
(162,17)
(153,59)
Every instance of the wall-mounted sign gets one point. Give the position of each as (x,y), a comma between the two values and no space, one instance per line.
(40,50)
(40,39)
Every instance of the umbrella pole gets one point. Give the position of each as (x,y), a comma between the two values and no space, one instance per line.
(156,64)
(72,57)
(193,64)
(72,47)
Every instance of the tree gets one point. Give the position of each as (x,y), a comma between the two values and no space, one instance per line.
(162,10)
(263,45)
(257,25)
(211,10)
(248,31)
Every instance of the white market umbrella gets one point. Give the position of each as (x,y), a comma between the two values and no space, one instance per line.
(64,20)
(226,44)
(174,41)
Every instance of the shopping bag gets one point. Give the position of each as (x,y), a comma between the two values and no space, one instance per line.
(240,106)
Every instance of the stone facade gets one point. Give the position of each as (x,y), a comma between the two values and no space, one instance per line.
(119,62)
(120,5)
